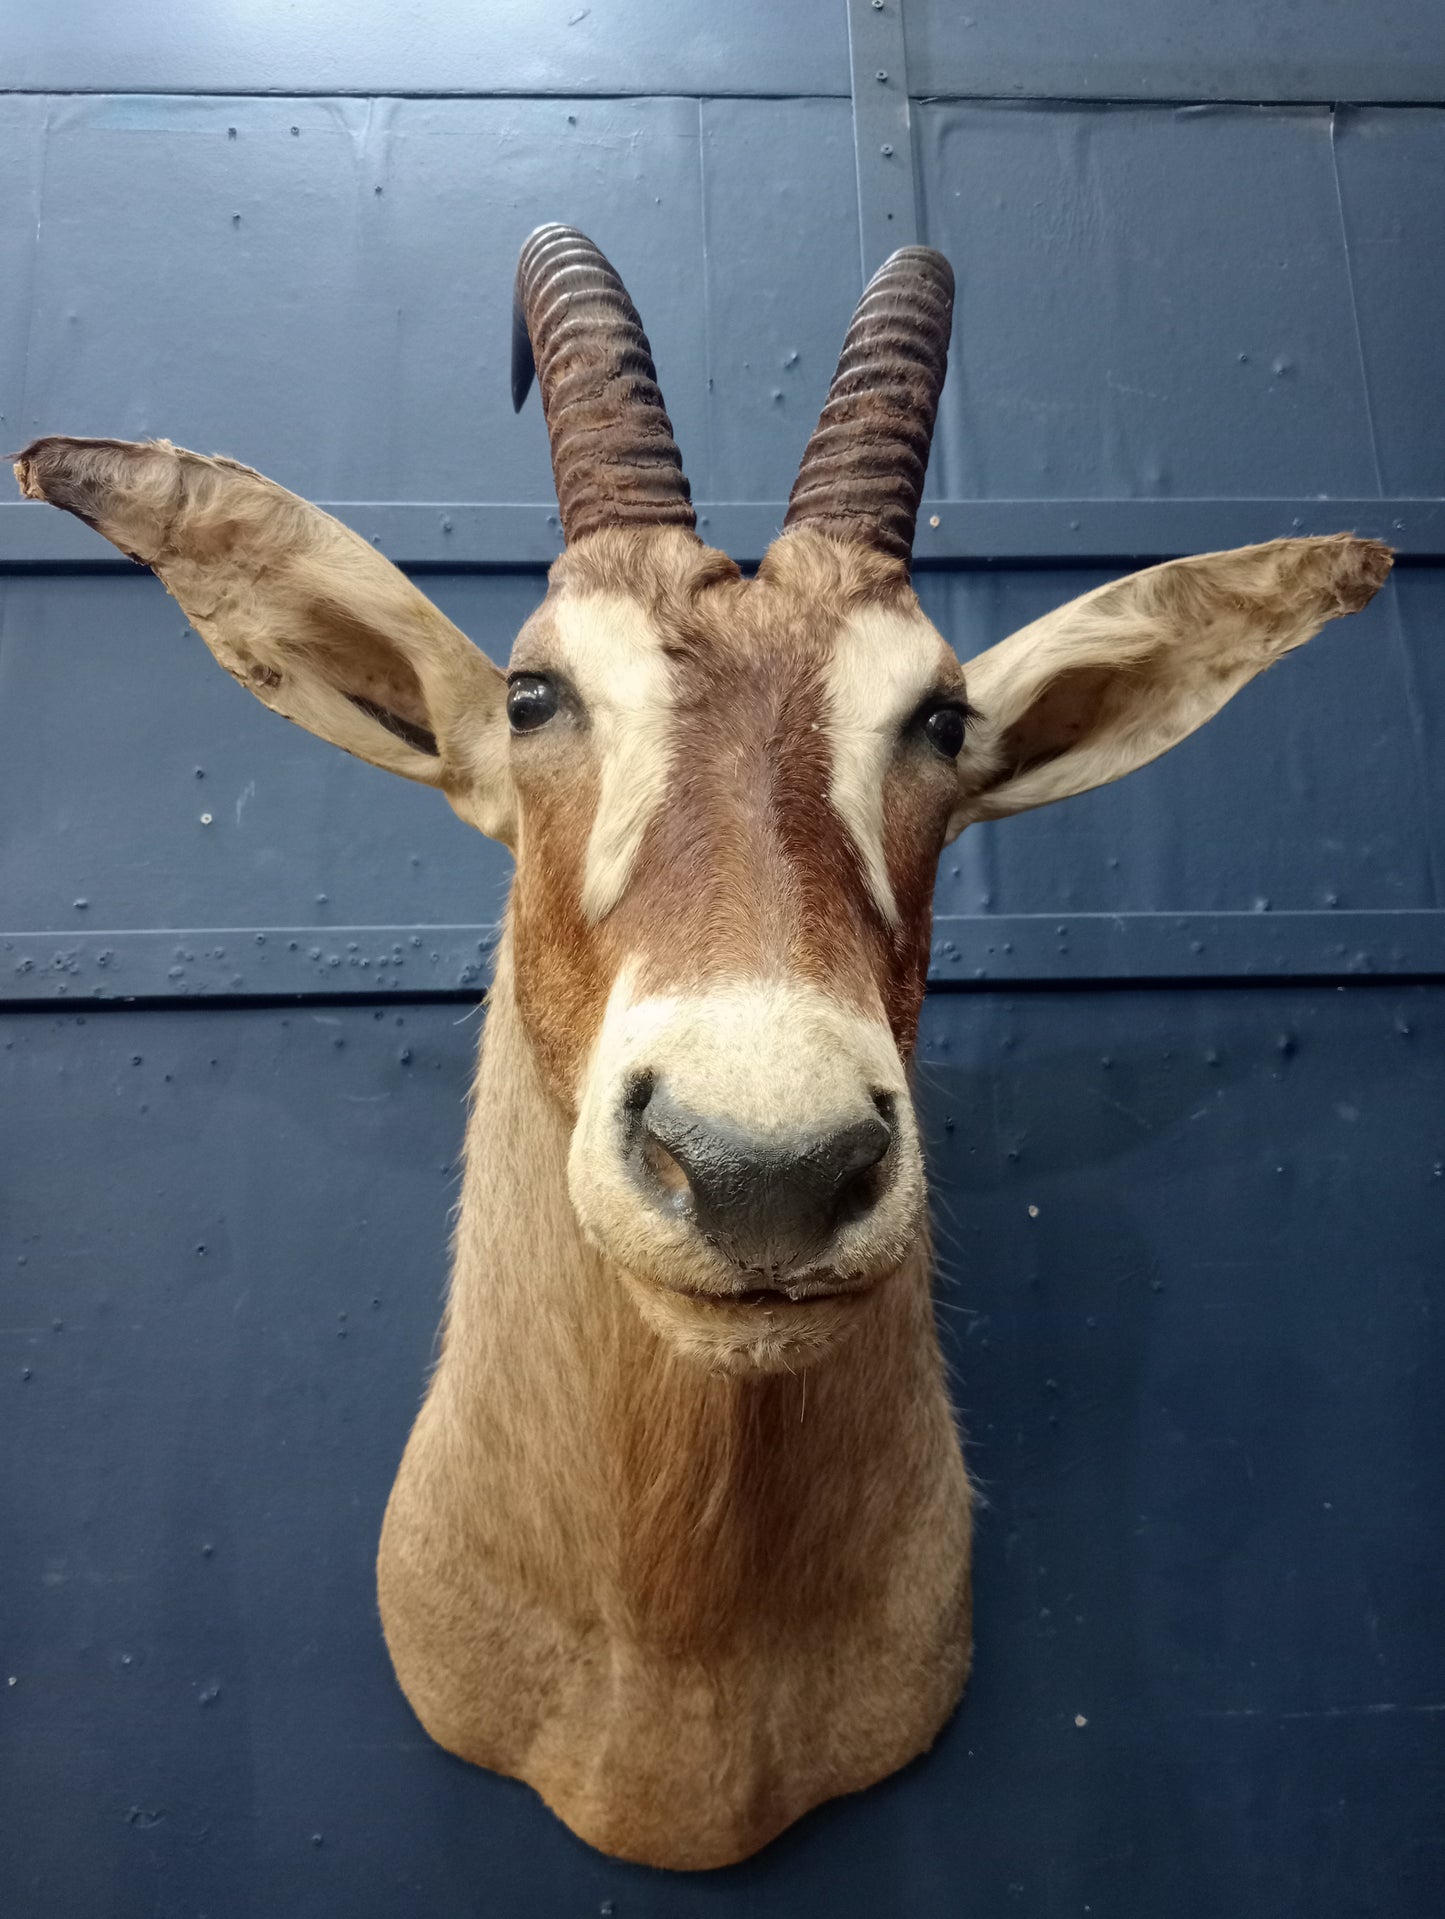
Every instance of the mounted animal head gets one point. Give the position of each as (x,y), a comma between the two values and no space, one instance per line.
(726,797)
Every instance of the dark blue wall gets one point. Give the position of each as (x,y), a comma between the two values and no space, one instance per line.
(1184,1064)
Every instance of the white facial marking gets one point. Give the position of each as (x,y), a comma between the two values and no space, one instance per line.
(615,658)
(769,1058)
(883,664)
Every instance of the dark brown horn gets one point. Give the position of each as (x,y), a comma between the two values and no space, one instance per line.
(862,473)
(613,455)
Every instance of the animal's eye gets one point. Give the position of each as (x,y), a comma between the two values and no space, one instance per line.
(531,701)
(945,727)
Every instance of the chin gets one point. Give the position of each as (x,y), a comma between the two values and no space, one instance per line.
(748,1337)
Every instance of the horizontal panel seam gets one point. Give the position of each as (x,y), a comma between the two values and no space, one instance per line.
(525,535)
(1165,101)
(400,961)
(281,94)
(479,929)
(937,989)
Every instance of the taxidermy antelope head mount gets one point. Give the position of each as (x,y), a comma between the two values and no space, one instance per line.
(681,1535)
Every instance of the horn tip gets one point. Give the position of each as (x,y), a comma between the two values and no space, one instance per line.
(524,364)
(927,259)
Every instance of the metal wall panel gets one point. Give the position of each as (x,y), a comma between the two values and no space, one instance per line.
(1191,1244)
(1129,49)
(1191,1237)
(1392,216)
(779,226)
(326,284)
(428,47)
(137,778)
(1120,414)
(1176,50)
(1136,317)
(338,298)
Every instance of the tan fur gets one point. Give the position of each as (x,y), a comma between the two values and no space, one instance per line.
(685,1606)
(690,1565)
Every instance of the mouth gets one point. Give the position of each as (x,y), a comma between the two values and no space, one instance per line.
(748,1330)
(764,1298)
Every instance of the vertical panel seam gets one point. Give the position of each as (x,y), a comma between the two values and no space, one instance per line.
(882,130)
(1414,708)
(1355,307)
(26,432)
(1415,719)
(709,466)
(24,425)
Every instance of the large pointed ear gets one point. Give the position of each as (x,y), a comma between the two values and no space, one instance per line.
(298,608)
(1112,680)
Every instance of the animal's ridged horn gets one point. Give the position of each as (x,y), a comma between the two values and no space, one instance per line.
(613,455)
(862,474)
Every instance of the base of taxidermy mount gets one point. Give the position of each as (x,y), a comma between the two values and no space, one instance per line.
(733,1656)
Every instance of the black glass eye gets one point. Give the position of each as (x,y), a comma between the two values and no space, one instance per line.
(945,729)
(531,702)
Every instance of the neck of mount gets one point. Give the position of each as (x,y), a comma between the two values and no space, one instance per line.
(630,1479)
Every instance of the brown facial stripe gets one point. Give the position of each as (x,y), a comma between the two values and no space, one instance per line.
(915,816)
(749,868)
(746,870)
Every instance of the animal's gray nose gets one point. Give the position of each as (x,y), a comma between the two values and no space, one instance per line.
(769,1205)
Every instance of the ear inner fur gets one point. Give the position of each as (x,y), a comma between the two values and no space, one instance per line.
(1115,678)
(299,609)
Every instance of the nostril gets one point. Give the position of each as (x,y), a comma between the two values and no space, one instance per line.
(668,1175)
(637,1093)
(858,1148)
(863,1169)
(857,1197)
(666,1143)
